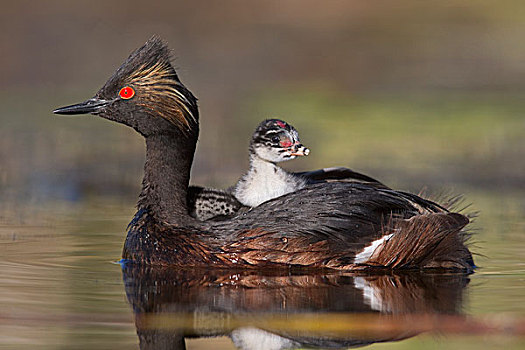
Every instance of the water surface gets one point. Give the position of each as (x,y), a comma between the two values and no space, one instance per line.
(61,287)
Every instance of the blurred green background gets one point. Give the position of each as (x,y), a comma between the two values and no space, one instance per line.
(413,93)
(422,95)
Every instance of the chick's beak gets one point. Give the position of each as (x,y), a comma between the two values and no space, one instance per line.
(93,105)
(300,150)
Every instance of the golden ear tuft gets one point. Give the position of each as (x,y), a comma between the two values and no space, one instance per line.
(164,95)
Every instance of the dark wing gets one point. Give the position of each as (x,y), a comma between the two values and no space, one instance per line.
(424,205)
(328,224)
(337,174)
(342,174)
(312,226)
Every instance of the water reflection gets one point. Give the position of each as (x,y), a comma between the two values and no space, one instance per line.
(277,310)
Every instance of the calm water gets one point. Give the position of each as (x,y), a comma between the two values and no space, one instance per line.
(61,287)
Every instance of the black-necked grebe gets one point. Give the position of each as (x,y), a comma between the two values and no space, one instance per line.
(335,224)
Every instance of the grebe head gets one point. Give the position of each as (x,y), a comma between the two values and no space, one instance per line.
(275,140)
(145,93)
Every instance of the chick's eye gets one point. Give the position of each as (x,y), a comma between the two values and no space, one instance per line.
(126,92)
(286,143)
(276,139)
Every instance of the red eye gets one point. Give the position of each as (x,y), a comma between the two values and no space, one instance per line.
(126,93)
(286,143)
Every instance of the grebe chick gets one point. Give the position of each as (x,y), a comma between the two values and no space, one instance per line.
(273,141)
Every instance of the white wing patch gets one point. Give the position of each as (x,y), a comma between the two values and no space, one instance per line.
(367,253)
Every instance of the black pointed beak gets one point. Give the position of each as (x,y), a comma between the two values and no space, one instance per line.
(92,105)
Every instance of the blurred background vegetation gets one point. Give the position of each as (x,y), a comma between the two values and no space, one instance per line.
(413,93)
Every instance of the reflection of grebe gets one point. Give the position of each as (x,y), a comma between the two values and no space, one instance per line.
(285,310)
(324,225)
(255,339)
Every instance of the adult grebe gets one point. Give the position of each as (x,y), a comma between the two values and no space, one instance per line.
(341,225)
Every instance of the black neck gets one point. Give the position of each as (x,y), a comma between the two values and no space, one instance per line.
(166,176)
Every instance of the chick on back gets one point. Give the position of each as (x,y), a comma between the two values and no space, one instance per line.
(273,141)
